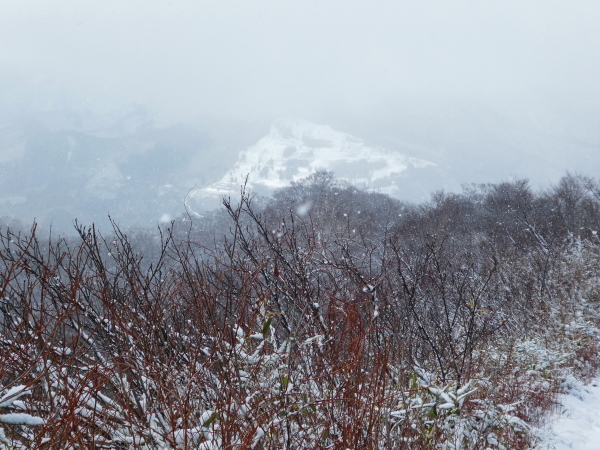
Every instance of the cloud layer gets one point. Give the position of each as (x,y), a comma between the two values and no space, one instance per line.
(266,58)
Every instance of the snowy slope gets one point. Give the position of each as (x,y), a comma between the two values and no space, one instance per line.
(577,424)
(294,149)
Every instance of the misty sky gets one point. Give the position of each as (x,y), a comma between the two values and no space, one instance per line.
(261,58)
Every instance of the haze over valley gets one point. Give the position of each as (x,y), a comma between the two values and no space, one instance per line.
(60,165)
(125,109)
(302,224)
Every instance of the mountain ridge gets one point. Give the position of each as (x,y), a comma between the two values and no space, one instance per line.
(295,148)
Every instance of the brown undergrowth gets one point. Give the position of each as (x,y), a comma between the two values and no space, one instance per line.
(293,332)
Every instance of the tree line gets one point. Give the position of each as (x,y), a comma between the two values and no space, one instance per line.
(323,317)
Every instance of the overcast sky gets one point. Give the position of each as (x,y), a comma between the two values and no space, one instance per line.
(243,59)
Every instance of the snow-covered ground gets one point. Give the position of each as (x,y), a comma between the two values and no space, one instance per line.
(577,422)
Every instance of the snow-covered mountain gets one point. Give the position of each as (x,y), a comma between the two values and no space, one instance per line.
(294,149)
(56,166)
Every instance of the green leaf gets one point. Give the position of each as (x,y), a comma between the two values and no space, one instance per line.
(284,383)
(267,326)
(210,420)
(432,413)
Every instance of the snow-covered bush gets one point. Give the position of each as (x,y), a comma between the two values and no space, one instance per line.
(446,326)
(10,401)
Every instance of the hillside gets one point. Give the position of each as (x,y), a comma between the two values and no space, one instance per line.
(325,317)
(56,166)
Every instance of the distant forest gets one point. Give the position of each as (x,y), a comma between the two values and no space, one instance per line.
(323,317)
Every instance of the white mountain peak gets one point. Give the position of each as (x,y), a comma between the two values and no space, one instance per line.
(295,149)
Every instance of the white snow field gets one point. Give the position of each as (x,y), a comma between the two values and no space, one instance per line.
(576,425)
(295,149)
